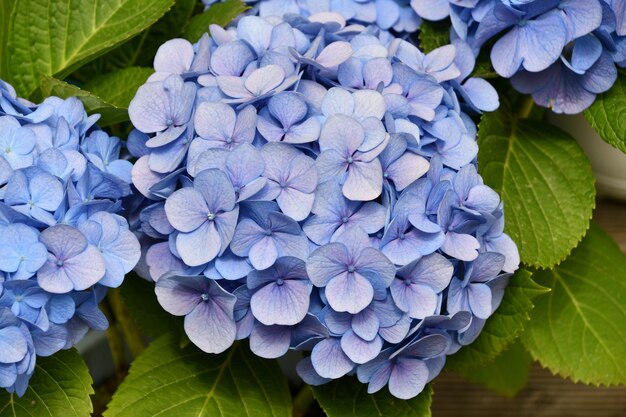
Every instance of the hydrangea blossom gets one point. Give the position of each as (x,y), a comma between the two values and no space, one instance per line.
(339,211)
(582,42)
(62,241)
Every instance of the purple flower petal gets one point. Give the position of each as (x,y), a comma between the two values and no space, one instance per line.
(270,341)
(329,360)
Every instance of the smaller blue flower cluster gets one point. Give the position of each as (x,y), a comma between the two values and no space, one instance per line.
(308,185)
(61,241)
(563,52)
(396,15)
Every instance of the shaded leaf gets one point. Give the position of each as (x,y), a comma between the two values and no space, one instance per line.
(545,181)
(60,387)
(54,37)
(347,397)
(432,35)
(119,87)
(578,330)
(169,381)
(110,114)
(607,115)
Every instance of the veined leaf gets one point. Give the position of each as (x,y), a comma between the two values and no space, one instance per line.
(54,37)
(347,397)
(119,87)
(545,181)
(168,381)
(60,387)
(607,115)
(578,330)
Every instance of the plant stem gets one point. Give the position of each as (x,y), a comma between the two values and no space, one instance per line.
(525,106)
(114,339)
(302,401)
(129,329)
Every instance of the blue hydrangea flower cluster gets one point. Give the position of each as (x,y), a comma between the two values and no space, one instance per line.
(563,52)
(396,15)
(310,186)
(61,239)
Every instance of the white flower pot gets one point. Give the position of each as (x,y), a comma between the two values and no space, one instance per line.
(609,163)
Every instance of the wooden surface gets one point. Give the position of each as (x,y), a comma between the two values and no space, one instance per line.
(545,395)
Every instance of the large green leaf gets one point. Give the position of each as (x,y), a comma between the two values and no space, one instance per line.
(347,397)
(578,330)
(218,14)
(503,326)
(93,104)
(53,37)
(119,87)
(545,181)
(506,374)
(6,8)
(148,314)
(140,50)
(60,387)
(607,115)
(168,381)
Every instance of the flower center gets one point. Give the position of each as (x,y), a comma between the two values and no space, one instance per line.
(205,297)
(210,217)
(407,282)
(267,232)
(386,175)
(351,268)
(344,219)
(229,140)
(401,236)
(19,298)
(7,150)
(279,281)
(169,122)
(60,263)
(350,160)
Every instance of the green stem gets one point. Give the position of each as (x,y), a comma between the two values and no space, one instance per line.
(126,322)
(114,339)
(302,402)
(525,107)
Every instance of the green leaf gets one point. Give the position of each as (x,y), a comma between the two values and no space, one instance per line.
(110,114)
(54,37)
(148,314)
(503,326)
(218,14)
(119,87)
(347,397)
(60,387)
(140,50)
(607,115)
(6,8)
(506,374)
(432,35)
(578,330)
(545,181)
(169,381)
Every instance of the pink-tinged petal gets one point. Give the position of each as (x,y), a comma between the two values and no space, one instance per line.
(270,342)
(349,292)
(334,54)
(216,189)
(407,169)
(479,297)
(337,101)
(285,304)
(174,56)
(186,209)
(295,204)
(359,350)
(325,263)
(264,79)
(461,246)
(369,103)
(263,254)
(329,360)
(215,121)
(364,181)
(366,324)
(200,246)
(211,326)
(408,378)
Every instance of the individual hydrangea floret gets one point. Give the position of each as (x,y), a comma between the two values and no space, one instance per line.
(62,241)
(321,195)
